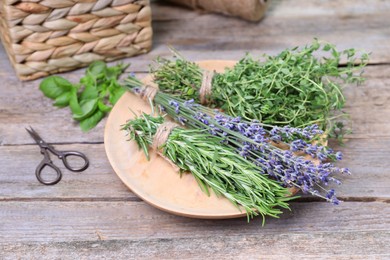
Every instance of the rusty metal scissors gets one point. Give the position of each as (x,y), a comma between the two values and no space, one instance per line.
(47,162)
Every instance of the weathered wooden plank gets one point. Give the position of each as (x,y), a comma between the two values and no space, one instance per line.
(368,104)
(316,246)
(286,24)
(340,245)
(310,229)
(284,9)
(18,181)
(366,158)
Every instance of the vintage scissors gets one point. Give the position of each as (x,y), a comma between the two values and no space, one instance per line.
(47,162)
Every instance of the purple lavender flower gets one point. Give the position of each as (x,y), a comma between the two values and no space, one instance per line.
(332,179)
(213,130)
(298,145)
(287,133)
(322,156)
(258,138)
(176,105)
(242,127)
(189,103)
(236,119)
(345,171)
(136,90)
(311,149)
(339,156)
(276,138)
(182,120)
(335,201)
(203,118)
(173,103)
(331,196)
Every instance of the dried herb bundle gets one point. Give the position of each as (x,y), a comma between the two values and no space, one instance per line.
(214,166)
(292,88)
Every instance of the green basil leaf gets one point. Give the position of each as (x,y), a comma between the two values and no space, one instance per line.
(88,107)
(115,71)
(88,80)
(54,86)
(90,122)
(96,68)
(102,86)
(89,92)
(62,100)
(103,107)
(74,103)
(116,94)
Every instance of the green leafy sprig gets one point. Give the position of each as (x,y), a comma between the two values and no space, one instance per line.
(214,166)
(92,98)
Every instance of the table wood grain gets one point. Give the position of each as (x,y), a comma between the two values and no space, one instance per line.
(92,215)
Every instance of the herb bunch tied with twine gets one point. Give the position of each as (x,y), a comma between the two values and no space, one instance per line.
(214,166)
(292,88)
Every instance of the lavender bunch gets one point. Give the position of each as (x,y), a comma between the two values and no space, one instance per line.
(214,166)
(261,144)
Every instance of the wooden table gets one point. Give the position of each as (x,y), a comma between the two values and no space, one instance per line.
(94,215)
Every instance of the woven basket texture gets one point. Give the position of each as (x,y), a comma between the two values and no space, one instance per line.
(43,37)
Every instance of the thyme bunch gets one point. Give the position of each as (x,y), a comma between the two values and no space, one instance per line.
(292,88)
(214,166)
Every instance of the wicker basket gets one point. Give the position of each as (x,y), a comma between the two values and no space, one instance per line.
(43,37)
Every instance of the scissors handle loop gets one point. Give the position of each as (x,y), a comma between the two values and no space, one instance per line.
(65,156)
(41,166)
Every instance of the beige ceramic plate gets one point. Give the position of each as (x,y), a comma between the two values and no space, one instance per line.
(155,181)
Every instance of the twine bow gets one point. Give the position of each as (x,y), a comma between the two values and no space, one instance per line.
(161,137)
(147,92)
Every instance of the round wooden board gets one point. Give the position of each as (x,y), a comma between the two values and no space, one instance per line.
(155,181)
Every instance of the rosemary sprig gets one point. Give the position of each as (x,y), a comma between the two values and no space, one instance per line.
(292,88)
(214,166)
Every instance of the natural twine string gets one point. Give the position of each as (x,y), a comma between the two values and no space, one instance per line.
(205,89)
(161,137)
(148,92)
(162,133)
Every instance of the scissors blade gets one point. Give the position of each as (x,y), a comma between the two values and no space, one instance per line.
(35,136)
